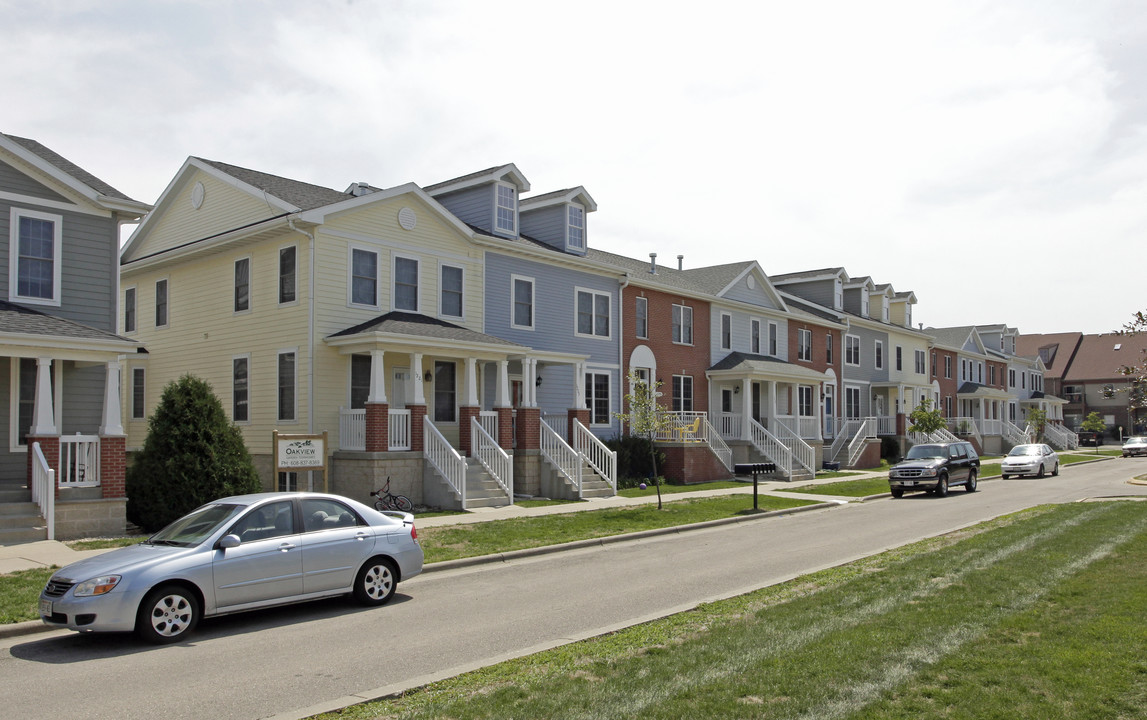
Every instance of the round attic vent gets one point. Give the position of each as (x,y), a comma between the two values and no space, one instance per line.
(751,282)
(407,219)
(197,194)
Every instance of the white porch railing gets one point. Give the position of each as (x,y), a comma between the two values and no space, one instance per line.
(771,447)
(559,423)
(44,488)
(802,452)
(497,461)
(1013,434)
(804,427)
(79,460)
(729,424)
(676,424)
(1060,437)
(600,458)
(965,426)
(885,425)
(352,429)
(561,455)
(398,430)
(717,444)
(831,425)
(445,459)
(990,427)
(866,430)
(488,419)
(846,430)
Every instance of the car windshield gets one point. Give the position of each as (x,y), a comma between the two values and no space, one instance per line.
(1135,440)
(920,452)
(197,526)
(1024,450)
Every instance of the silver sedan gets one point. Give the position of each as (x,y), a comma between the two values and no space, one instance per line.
(1034,459)
(237,553)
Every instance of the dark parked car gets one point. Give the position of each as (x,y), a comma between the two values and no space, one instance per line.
(1090,439)
(935,467)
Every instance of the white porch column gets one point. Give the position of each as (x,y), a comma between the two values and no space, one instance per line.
(471,382)
(579,385)
(817,410)
(113,414)
(746,408)
(43,416)
(377,378)
(503,384)
(531,381)
(417,392)
(771,408)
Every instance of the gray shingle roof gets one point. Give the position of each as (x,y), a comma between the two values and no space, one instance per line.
(20,320)
(461,178)
(304,196)
(64,165)
(805,274)
(953,337)
(688,280)
(416,325)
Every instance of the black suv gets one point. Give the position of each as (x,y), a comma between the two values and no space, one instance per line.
(935,467)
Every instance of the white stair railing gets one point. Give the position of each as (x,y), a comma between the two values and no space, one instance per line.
(966,426)
(445,459)
(44,488)
(1061,438)
(866,430)
(498,463)
(600,458)
(802,453)
(771,447)
(1013,434)
(844,433)
(564,458)
(717,444)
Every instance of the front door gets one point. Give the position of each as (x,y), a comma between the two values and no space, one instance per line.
(758,391)
(829,409)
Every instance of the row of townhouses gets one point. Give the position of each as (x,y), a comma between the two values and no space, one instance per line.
(464,338)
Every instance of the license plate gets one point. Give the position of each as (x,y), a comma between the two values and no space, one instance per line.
(46,608)
(909,482)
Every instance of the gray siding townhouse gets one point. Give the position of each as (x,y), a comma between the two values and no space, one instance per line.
(60,356)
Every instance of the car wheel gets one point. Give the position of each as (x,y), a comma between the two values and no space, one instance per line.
(1004,477)
(376,582)
(1040,473)
(942,486)
(167,614)
(897,492)
(970,486)
(1055,470)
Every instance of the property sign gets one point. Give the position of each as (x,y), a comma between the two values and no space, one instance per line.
(300,452)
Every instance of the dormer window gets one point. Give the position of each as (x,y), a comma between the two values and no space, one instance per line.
(575,228)
(506,210)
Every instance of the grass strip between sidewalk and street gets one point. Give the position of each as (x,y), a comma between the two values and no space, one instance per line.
(1037,614)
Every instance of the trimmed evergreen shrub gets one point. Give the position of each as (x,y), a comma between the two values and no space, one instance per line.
(192,455)
(634,463)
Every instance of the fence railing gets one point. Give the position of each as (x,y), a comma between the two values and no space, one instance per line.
(561,455)
(990,427)
(44,488)
(445,459)
(600,458)
(805,427)
(79,460)
(677,423)
(885,425)
(498,463)
(398,430)
(352,429)
(729,425)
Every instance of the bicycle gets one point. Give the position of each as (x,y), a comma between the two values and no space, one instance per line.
(386,500)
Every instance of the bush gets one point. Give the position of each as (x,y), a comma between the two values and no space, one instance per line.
(634,464)
(889,448)
(192,455)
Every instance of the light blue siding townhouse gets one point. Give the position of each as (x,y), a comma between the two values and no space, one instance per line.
(1026,388)
(541,292)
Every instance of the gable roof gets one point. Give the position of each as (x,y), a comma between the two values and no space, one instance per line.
(955,338)
(1097,357)
(72,175)
(416,325)
(491,174)
(557,197)
(1060,349)
(293,193)
(24,327)
(805,275)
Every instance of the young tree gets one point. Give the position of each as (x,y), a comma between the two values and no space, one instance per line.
(646,418)
(1037,419)
(1093,423)
(192,455)
(925,418)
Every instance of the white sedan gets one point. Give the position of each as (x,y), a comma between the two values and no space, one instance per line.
(1136,445)
(1036,459)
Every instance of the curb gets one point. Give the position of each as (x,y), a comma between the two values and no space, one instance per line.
(28,627)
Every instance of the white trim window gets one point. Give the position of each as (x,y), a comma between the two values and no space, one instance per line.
(241,388)
(288,385)
(921,366)
(129,310)
(755,336)
(592,314)
(288,273)
(451,279)
(362,281)
(23,401)
(947,367)
(804,345)
(828,351)
(682,393)
(575,227)
(804,400)
(773,333)
(404,291)
(852,402)
(878,354)
(506,209)
(597,397)
(35,244)
(641,318)
(242,299)
(138,393)
(522,302)
(726,331)
(899,358)
(161,301)
(852,350)
(682,325)
(360,369)
(1011,378)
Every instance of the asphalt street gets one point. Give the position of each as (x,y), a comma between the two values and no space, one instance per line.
(292,662)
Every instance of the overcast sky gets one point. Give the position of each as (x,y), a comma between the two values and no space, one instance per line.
(990,156)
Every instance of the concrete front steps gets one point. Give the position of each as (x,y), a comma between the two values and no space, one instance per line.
(20,519)
(481,489)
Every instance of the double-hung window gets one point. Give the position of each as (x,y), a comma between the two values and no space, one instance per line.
(242,285)
(363,277)
(506,210)
(641,318)
(726,331)
(287,258)
(597,397)
(920,369)
(129,310)
(804,345)
(773,339)
(161,303)
(899,358)
(138,388)
(35,241)
(804,400)
(287,384)
(592,313)
(575,239)
(682,393)
(240,388)
(852,402)
(450,304)
(828,348)
(878,350)
(851,350)
(523,302)
(405,283)
(683,324)
(948,367)
(755,335)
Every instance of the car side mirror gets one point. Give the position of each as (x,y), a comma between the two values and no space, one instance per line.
(228,541)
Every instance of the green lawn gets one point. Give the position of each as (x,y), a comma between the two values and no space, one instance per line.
(667,489)
(847,488)
(1034,615)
